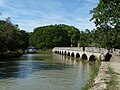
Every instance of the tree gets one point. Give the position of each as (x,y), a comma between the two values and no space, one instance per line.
(107,13)
(11,38)
(25,39)
(50,36)
(106,17)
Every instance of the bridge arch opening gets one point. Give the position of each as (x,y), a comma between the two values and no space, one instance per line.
(72,54)
(108,57)
(92,58)
(65,53)
(68,54)
(84,57)
(77,55)
(62,53)
(55,51)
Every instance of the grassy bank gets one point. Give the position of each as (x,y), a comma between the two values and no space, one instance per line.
(11,54)
(111,85)
(94,72)
(40,51)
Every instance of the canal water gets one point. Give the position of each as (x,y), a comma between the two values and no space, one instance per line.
(43,72)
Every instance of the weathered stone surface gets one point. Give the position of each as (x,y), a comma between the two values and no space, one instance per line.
(102,77)
(116,68)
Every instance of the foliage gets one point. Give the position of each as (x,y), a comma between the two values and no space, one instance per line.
(86,38)
(106,17)
(11,54)
(11,38)
(54,36)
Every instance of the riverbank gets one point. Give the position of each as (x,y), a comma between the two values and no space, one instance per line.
(108,77)
(11,54)
(40,51)
(94,72)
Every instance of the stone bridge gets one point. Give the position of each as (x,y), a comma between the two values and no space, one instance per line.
(86,53)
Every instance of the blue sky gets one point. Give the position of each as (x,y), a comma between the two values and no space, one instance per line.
(29,14)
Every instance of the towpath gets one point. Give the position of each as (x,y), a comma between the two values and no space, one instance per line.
(103,78)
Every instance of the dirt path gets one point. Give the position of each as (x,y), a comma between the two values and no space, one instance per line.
(115,65)
(115,58)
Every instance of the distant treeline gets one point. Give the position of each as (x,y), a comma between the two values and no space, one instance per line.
(54,36)
(61,35)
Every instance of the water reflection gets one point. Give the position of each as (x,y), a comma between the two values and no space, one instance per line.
(31,64)
(42,72)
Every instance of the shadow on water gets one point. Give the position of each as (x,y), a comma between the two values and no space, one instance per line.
(26,65)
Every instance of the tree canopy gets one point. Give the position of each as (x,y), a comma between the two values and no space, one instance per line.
(54,36)
(11,37)
(106,17)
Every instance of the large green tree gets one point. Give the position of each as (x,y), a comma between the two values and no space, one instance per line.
(54,36)
(106,17)
(11,38)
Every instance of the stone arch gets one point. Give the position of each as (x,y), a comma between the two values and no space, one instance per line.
(65,53)
(92,58)
(68,54)
(72,54)
(62,53)
(77,55)
(55,51)
(108,57)
(84,57)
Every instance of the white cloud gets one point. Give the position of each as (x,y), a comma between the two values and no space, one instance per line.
(27,25)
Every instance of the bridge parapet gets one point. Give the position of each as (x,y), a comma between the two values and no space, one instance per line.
(86,49)
(68,48)
(87,53)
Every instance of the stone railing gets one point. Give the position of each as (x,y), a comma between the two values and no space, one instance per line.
(86,49)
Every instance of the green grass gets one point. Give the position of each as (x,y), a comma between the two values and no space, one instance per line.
(111,85)
(44,52)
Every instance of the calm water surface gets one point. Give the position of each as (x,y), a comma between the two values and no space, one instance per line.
(43,72)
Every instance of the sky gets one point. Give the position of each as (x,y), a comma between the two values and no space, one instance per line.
(29,14)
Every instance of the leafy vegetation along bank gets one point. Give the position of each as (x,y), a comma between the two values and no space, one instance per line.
(12,39)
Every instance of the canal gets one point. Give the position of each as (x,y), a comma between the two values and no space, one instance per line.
(43,72)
